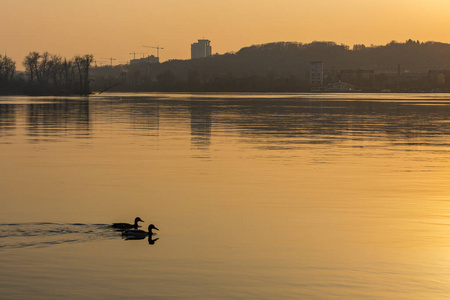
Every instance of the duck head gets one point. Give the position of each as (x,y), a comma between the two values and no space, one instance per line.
(151,226)
(138,220)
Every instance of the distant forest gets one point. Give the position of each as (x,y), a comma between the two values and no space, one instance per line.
(282,67)
(46,74)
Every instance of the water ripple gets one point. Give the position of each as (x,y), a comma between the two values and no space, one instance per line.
(42,234)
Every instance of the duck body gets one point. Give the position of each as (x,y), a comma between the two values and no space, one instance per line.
(125,226)
(138,233)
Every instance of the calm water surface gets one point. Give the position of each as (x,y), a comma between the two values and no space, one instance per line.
(256,196)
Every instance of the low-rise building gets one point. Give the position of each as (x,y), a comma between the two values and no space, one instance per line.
(151,59)
(316,73)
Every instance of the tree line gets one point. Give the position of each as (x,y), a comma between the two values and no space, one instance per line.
(46,74)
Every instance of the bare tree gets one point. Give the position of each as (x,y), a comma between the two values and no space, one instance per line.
(31,63)
(7,69)
(87,61)
(55,71)
(50,74)
(82,65)
(43,69)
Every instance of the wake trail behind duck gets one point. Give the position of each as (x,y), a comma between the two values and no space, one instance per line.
(44,234)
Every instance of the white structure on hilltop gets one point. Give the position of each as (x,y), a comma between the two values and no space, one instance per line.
(316,73)
(201,49)
(151,59)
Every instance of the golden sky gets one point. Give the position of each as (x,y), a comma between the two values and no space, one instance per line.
(114,28)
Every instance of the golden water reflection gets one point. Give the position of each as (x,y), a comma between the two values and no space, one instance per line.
(287,196)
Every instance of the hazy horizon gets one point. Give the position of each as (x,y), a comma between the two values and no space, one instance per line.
(118,27)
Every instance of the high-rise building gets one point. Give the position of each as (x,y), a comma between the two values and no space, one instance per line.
(316,73)
(201,49)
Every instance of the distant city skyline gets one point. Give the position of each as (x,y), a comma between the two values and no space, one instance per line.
(116,28)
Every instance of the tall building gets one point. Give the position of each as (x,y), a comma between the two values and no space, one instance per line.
(316,73)
(201,49)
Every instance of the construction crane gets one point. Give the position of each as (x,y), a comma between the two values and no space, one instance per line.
(110,58)
(95,62)
(134,54)
(157,49)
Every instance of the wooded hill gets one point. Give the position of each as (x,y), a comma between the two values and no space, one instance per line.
(281,66)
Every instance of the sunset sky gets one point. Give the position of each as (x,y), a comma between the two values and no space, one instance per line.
(114,28)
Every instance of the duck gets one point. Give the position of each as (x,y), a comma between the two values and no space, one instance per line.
(125,226)
(138,233)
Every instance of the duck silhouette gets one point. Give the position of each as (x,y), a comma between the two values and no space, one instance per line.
(138,234)
(125,226)
(152,241)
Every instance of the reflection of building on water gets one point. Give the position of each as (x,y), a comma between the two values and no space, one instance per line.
(58,118)
(145,116)
(7,119)
(200,124)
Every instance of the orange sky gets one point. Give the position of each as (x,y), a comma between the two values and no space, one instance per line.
(114,28)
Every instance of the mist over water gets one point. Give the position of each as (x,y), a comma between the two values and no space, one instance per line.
(257,196)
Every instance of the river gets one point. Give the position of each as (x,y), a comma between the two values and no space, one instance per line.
(256,196)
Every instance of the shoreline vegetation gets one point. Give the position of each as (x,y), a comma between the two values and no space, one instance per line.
(46,74)
(411,66)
